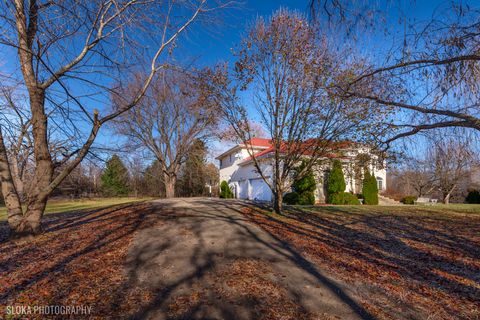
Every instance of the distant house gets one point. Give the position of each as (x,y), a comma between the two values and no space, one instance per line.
(238,169)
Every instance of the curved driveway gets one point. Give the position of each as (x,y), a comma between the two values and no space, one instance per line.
(205,260)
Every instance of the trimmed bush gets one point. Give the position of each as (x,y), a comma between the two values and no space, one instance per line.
(303,189)
(473,197)
(336,180)
(306,183)
(370,189)
(225,191)
(409,200)
(306,198)
(291,198)
(336,187)
(345,198)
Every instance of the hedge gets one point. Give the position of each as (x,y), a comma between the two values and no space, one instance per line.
(344,198)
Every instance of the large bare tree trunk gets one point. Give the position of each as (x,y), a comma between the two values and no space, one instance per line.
(170,180)
(30,223)
(278,203)
(446,199)
(446,196)
(17,176)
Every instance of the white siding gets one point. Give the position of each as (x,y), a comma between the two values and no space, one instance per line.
(229,164)
(260,190)
(247,183)
(243,189)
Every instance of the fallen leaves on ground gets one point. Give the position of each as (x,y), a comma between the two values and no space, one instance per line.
(404,265)
(243,282)
(78,261)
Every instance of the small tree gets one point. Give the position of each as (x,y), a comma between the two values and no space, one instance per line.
(193,177)
(225,191)
(336,180)
(115,178)
(370,189)
(450,163)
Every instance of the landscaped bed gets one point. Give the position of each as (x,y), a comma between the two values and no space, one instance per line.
(405,262)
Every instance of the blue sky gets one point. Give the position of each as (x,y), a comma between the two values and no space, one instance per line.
(214,43)
(211,46)
(205,45)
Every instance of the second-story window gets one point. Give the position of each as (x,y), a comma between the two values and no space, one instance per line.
(220,163)
(230,158)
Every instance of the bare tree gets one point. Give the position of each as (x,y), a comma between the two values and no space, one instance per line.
(228,134)
(451,162)
(419,177)
(177,110)
(444,168)
(435,68)
(69,53)
(290,67)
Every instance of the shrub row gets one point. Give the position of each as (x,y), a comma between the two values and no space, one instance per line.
(344,198)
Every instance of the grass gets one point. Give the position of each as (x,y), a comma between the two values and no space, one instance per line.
(59,206)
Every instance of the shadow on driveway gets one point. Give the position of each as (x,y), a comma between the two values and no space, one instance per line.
(205,261)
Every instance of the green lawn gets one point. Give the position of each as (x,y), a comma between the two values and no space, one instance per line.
(57,206)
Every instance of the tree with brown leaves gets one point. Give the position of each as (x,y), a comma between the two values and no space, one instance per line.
(291,69)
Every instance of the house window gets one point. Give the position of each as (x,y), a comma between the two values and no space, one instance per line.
(220,163)
(380,183)
(230,158)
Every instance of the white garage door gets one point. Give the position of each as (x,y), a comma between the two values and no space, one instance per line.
(243,194)
(260,190)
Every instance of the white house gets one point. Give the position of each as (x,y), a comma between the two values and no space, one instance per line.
(237,168)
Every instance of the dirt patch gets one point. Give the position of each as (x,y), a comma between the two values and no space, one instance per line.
(207,261)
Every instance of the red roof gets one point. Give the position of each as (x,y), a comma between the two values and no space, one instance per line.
(334,146)
(259,142)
